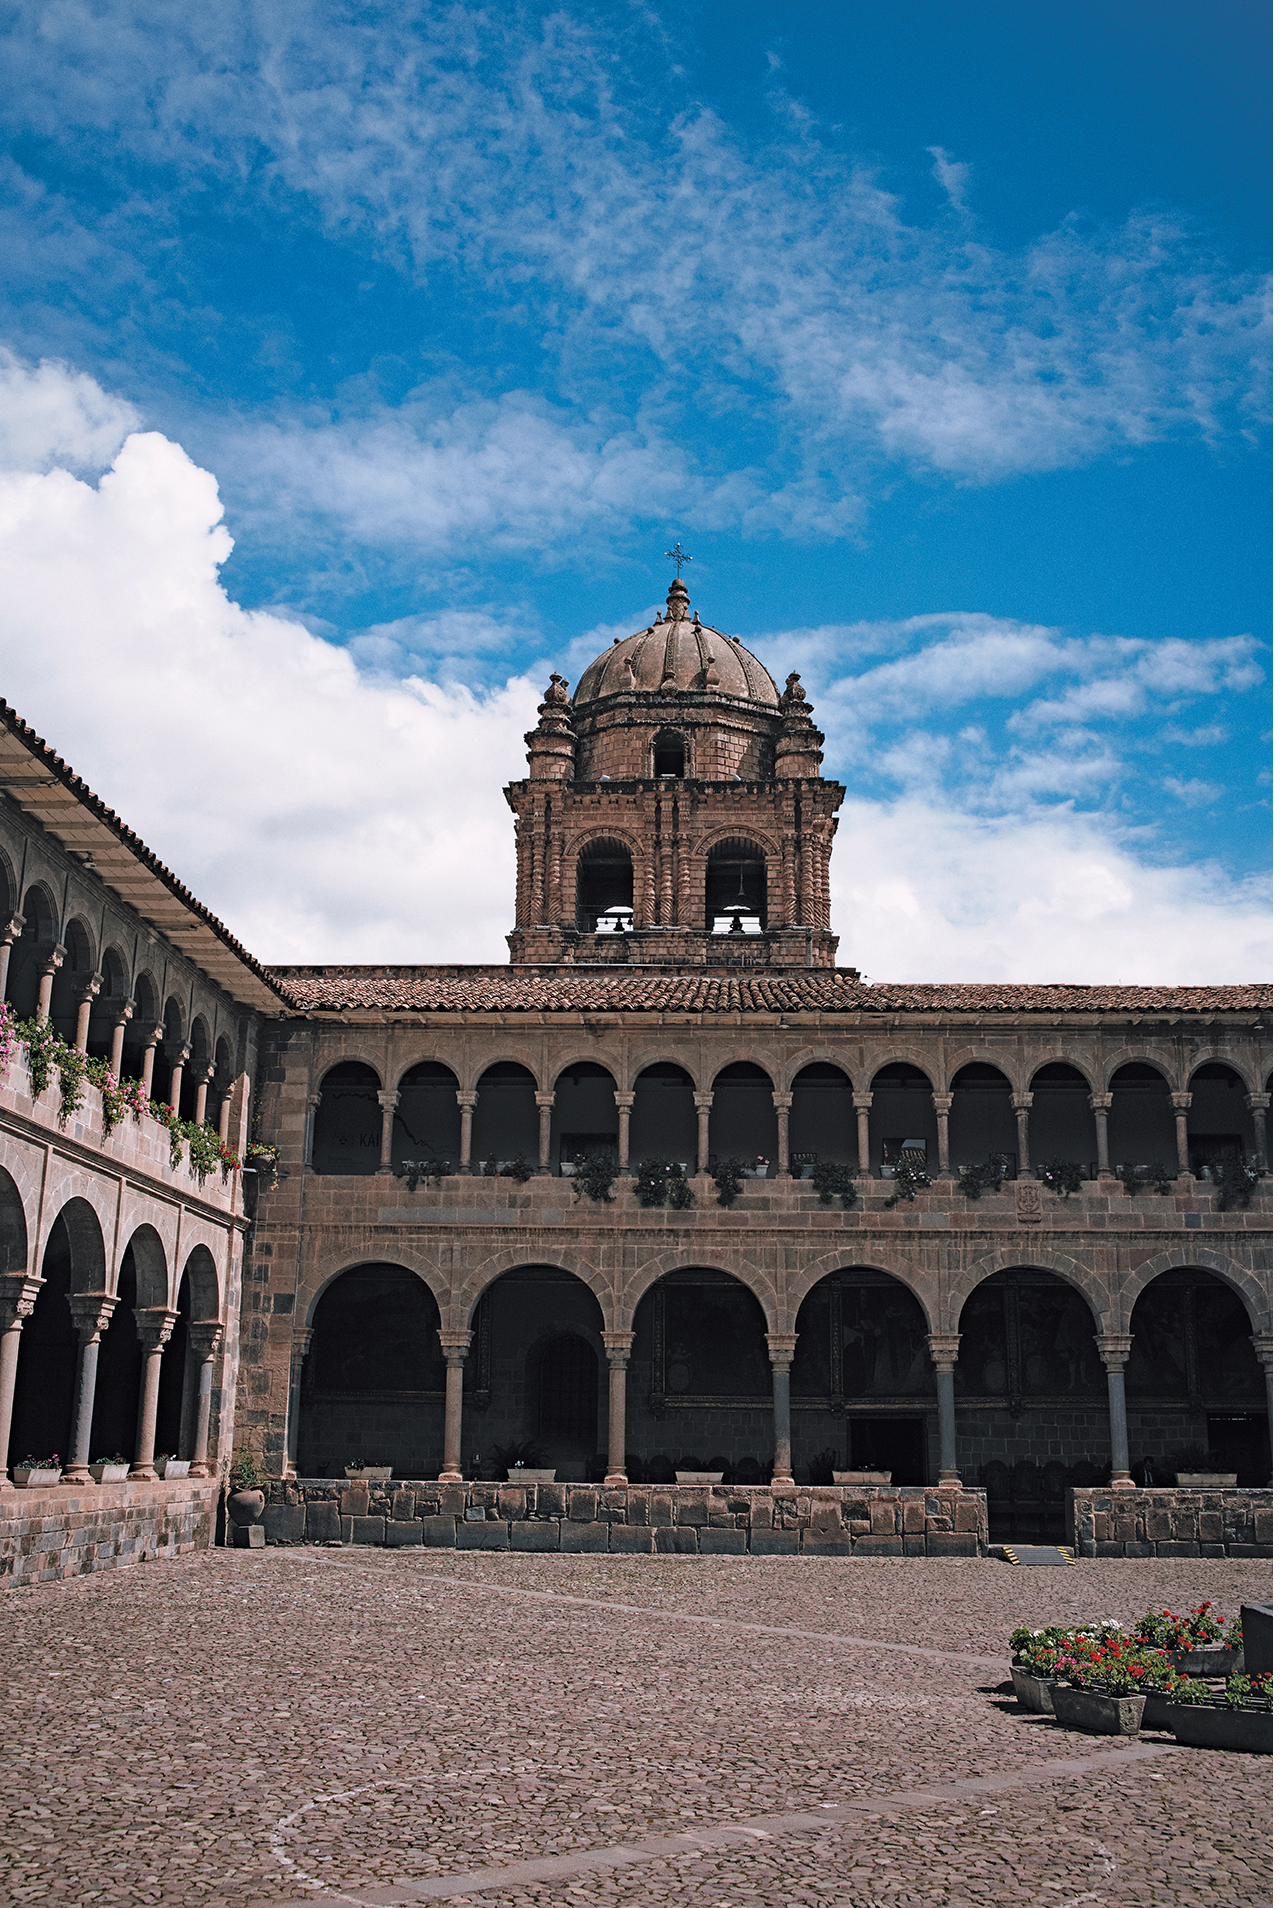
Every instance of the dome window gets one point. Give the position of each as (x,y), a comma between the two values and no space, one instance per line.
(668,754)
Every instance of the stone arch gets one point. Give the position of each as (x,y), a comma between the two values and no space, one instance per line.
(201,1273)
(703,845)
(505,1121)
(605,866)
(318,1279)
(584,1118)
(816,1057)
(638,1062)
(426,1060)
(576,1057)
(427,1122)
(358,1055)
(347,1127)
(1061,1121)
(902,1117)
(45,1382)
(1059,1053)
(472,1075)
(8,886)
(691,1259)
(742,1121)
(903,1053)
(151,1267)
(477,1282)
(965,1057)
(373,1364)
(821,1118)
(85,1241)
(733,870)
(747,1052)
(70,1183)
(13,1225)
(1089,1285)
(1119,1057)
(32,949)
(846,1260)
(1248,1285)
(1211,1055)
(664,1123)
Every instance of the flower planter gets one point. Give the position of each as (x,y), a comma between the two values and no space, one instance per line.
(1217,1662)
(1033,1692)
(1211,1480)
(1217,1726)
(758,1172)
(173,1467)
(861,1477)
(372,1473)
(104,1473)
(700,1477)
(1101,1715)
(34,1477)
(1159,1707)
(530,1474)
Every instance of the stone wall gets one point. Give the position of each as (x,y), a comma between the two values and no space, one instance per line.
(716,1520)
(71,1532)
(1171,1523)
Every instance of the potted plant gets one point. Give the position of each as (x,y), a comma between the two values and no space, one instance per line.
(171,1466)
(1100,1683)
(245,1495)
(524,1463)
(830,1180)
(37,1473)
(1034,1654)
(761,1166)
(112,1470)
(1201,1644)
(1242,1719)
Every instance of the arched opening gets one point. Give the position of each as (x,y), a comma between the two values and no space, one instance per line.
(1032,1409)
(735,889)
(1142,1125)
(1061,1122)
(425,1131)
(604,889)
(373,1386)
(821,1119)
(175,1395)
(513,1409)
(47,1360)
(664,1122)
(140,1029)
(982,1120)
(347,1134)
(71,982)
(111,999)
(863,1386)
(668,754)
(700,1381)
(31,951)
(1220,1123)
(13,1226)
(902,1121)
(197,1070)
(505,1125)
(1196,1391)
(120,1370)
(742,1124)
(221,1084)
(169,1054)
(585,1119)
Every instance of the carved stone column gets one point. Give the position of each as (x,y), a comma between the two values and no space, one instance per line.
(1100,1105)
(91,1314)
(150,1046)
(178,1058)
(309,1127)
(1114,1348)
(84,1008)
(1021,1105)
(154,1328)
(225,1115)
(18,1294)
(1263,1346)
(1259,1107)
(782,1103)
(703,1107)
(9,933)
(388,1102)
(455,1346)
(943,1347)
(467,1101)
(203,1079)
(618,1347)
(624,1101)
(299,1346)
(1181,1103)
(205,1340)
(863,1104)
(942,1102)
(123,1015)
(780,1347)
(545,1102)
(53,961)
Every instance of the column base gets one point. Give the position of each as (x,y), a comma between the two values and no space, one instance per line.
(78,1474)
(203,1470)
(783,1483)
(449,1477)
(143,1475)
(949,1477)
(613,1480)
(1121,1481)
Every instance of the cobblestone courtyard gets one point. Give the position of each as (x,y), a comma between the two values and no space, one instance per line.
(323,1725)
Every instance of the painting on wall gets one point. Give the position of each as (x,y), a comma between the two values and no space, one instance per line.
(712,1341)
(1157,1366)
(1058,1354)
(1229,1370)
(982,1355)
(884,1343)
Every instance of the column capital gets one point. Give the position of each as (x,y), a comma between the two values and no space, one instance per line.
(944,1347)
(12,929)
(1263,1346)
(313,1099)
(942,1102)
(862,1102)
(54,957)
(541,1099)
(1181,1102)
(619,1347)
(155,1035)
(1101,1102)
(780,1347)
(622,1100)
(466,1099)
(154,1325)
(1022,1102)
(389,1101)
(703,1100)
(455,1345)
(1114,1348)
(18,1294)
(1258,1102)
(782,1101)
(205,1338)
(92,988)
(91,1311)
(122,1011)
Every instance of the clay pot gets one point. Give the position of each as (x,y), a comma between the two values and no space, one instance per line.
(245,1507)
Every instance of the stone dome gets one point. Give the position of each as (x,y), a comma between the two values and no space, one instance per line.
(677,653)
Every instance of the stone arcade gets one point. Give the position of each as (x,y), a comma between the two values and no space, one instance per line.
(423,1287)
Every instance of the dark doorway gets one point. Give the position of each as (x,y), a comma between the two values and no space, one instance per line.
(898,1445)
(1240,1441)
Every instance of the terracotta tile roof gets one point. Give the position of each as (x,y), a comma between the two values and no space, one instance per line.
(620,991)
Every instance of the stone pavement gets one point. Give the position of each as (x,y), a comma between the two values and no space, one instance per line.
(325,1725)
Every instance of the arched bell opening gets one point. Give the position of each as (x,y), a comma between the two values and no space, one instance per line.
(426,1128)
(1062,1125)
(699,1384)
(1032,1405)
(664,1122)
(735,889)
(1142,1124)
(982,1120)
(1196,1390)
(822,1122)
(742,1124)
(585,1119)
(1220,1121)
(347,1134)
(902,1120)
(669,755)
(863,1386)
(535,1386)
(373,1388)
(604,889)
(505,1126)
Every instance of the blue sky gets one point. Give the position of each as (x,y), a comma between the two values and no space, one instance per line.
(939,334)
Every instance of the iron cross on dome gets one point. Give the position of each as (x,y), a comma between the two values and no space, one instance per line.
(678,556)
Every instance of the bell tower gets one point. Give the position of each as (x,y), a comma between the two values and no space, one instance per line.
(674,814)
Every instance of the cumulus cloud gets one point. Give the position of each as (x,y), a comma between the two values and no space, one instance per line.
(952,176)
(51,414)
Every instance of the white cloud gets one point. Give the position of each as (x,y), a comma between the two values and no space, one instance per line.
(50,414)
(952,176)
(1193,793)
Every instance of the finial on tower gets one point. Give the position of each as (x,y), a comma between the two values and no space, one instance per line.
(678,556)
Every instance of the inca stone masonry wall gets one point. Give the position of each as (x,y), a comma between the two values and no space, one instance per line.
(1173,1523)
(71,1532)
(715,1520)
